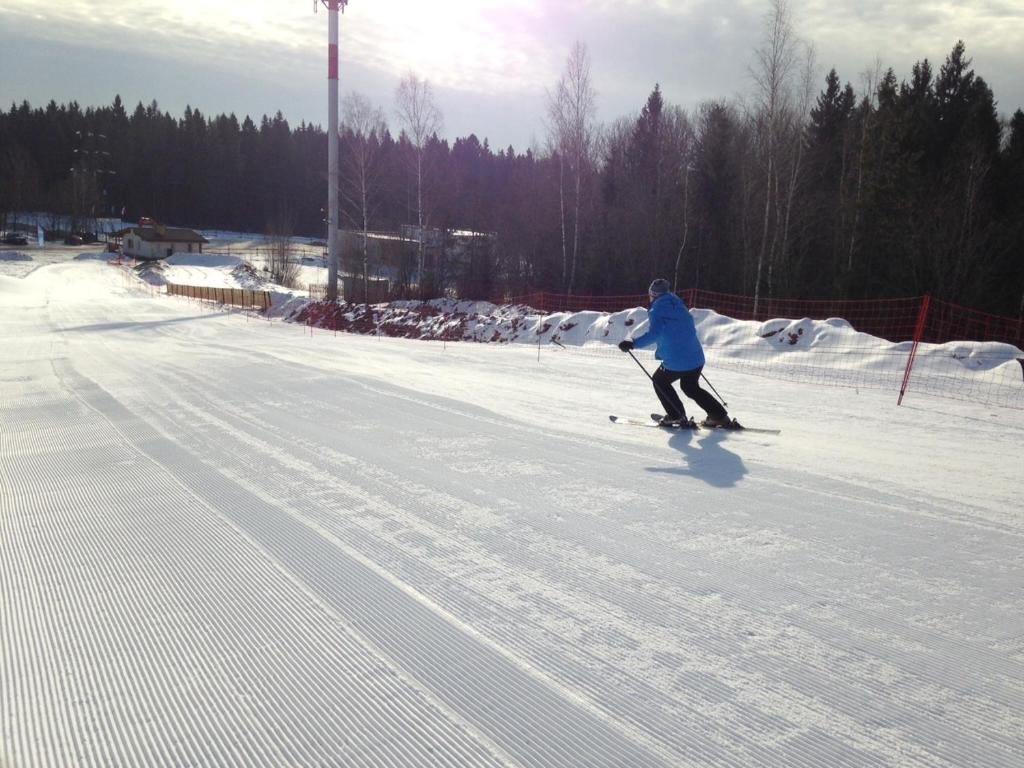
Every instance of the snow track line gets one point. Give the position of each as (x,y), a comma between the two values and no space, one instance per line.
(961,512)
(548,731)
(668,726)
(646,722)
(851,709)
(124,688)
(914,505)
(923,635)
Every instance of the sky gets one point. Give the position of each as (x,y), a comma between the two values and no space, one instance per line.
(490,62)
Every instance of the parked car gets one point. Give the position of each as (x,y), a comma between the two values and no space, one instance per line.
(15,238)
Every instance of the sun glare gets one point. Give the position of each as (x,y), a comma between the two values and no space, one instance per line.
(459,43)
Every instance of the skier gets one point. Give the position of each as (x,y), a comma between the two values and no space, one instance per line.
(671,327)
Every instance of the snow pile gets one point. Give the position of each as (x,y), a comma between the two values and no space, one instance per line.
(247,276)
(447,319)
(480,321)
(215,271)
(804,346)
(789,332)
(975,356)
(19,293)
(152,272)
(781,334)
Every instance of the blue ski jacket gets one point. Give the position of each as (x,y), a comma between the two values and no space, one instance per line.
(671,327)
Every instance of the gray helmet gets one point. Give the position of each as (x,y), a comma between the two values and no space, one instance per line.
(658,288)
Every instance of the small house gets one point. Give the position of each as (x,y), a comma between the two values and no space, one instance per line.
(152,241)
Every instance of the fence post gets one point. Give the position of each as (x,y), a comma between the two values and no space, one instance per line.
(922,319)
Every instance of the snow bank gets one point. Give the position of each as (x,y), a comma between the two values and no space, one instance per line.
(20,293)
(446,319)
(798,344)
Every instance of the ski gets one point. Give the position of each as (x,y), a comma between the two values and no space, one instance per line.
(644,423)
(690,424)
(736,426)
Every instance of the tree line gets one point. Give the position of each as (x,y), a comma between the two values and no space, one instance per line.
(809,189)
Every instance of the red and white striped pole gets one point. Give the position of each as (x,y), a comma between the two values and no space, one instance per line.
(332,146)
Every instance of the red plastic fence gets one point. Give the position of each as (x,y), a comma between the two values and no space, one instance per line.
(979,373)
(990,373)
(900,343)
(890,319)
(951,322)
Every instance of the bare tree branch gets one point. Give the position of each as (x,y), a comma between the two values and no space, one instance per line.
(573,136)
(414,103)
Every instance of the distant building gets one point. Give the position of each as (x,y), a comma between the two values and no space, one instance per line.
(432,237)
(150,242)
(392,256)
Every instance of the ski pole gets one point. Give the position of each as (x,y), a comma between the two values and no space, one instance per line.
(656,385)
(720,398)
(642,368)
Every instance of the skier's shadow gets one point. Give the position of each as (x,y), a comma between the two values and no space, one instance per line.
(706,458)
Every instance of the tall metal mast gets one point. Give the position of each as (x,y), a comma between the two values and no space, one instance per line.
(333,6)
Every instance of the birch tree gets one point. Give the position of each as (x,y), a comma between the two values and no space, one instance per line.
(363,126)
(571,121)
(771,73)
(799,113)
(421,119)
(685,145)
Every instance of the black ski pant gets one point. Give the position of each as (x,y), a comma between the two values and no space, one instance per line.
(689,382)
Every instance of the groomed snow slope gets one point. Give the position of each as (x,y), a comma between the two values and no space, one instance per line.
(227,542)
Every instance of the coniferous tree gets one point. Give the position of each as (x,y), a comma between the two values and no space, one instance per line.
(915,187)
(646,166)
(830,138)
(719,198)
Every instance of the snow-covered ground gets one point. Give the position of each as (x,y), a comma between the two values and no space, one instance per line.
(230,541)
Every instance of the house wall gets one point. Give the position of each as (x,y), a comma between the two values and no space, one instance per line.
(140,249)
(132,245)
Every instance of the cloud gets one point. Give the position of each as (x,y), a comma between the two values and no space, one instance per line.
(850,35)
(695,50)
(490,61)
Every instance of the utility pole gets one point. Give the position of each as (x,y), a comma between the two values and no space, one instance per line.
(333,6)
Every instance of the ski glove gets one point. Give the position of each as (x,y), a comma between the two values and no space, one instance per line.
(625,345)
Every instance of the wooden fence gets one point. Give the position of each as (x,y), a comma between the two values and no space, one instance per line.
(236,297)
